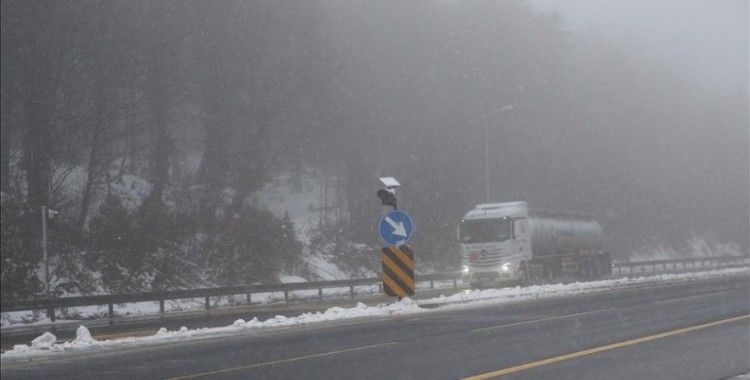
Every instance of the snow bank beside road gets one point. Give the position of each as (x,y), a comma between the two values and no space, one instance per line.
(519,293)
(45,344)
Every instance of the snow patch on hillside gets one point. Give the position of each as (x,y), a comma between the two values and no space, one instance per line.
(696,247)
(301,205)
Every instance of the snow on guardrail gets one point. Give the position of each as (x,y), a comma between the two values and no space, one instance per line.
(46,343)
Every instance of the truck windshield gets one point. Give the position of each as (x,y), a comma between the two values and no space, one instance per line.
(485,231)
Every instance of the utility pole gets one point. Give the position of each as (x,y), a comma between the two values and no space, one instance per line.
(44,251)
(487,149)
(46,213)
(487,162)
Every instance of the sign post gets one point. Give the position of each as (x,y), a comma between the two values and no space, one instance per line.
(396,228)
(398,271)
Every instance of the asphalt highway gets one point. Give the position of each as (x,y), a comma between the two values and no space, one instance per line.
(220,316)
(699,330)
(143,325)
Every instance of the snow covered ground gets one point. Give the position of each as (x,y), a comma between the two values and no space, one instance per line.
(137,309)
(556,290)
(697,246)
(47,344)
(28,318)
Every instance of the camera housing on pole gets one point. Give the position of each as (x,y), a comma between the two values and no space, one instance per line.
(388,195)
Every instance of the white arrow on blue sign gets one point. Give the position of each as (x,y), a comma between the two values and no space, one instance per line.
(396,227)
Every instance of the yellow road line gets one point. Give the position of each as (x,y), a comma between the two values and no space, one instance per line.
(280,361)
(599,349)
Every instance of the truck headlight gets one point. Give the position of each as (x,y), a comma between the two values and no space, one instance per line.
(465,269)
(506,267)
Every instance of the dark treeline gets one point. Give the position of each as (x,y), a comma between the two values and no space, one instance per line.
(197,105)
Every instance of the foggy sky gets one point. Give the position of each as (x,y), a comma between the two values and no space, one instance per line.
(706,40)
(633,111)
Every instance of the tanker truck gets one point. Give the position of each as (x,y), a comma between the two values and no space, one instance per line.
(510,242)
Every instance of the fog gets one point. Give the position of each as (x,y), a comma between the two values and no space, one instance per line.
(157,128)
(706,41)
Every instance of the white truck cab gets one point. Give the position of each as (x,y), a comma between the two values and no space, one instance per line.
(508,242)
(494,240)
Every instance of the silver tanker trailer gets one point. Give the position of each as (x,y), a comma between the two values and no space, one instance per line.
(510,242)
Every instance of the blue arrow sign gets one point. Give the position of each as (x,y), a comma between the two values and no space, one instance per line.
(396,227)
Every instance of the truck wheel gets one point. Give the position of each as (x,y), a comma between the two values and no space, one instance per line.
(587,269)
(606,263)
(549,273)
(523,273)
(596,271)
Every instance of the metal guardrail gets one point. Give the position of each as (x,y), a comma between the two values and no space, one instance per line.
(50,304)
(697,262)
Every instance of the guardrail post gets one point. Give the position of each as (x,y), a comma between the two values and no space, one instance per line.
(622,268)
(111,313)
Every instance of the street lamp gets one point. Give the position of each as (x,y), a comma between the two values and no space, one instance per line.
(46,213)
(487,148)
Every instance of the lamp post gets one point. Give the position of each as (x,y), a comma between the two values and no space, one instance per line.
(487,149)
(46,213)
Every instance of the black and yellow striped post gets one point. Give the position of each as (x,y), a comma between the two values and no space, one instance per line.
(398,271)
